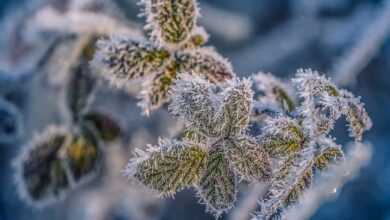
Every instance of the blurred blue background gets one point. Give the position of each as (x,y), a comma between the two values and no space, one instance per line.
(277,36)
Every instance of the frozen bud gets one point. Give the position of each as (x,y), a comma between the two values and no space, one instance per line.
(41,174)
(171,22)
(248,159)
(193,101)
(120,60)
(217,187)
(205,62)
(169,167)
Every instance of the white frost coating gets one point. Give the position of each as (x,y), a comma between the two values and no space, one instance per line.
(352,63)
(358,157)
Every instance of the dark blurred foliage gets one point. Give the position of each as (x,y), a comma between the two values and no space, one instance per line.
(277,36)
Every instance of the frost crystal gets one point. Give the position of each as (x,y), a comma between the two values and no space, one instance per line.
(122,59)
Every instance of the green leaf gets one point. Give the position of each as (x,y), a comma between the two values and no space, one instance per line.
(206,62)
(120,60)
(236,108)
(278,146)
(248,159)
(176,166)
(193,101)
(217,187)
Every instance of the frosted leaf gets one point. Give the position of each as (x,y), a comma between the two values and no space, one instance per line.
(170,167)
(193,101)
(41,174)
(248,159)
(285,127)
(236,107)
(282,136)
(205,62)
(310,83)
(324,103)
(171,22)
(217,187)
(274,90)
(357,117)
(327,156)
(121,59)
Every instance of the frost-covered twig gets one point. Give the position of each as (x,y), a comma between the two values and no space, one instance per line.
(352,63)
